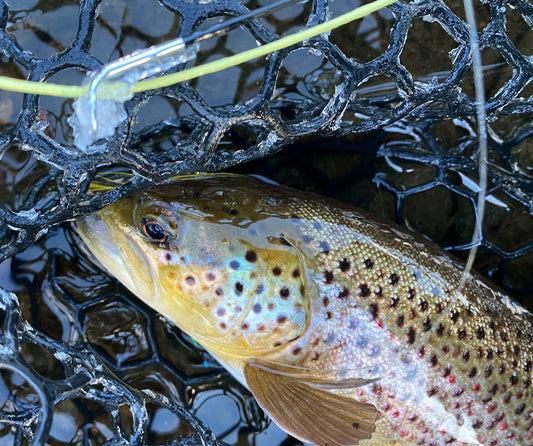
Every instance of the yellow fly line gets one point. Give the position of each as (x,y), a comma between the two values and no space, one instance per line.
(74,91)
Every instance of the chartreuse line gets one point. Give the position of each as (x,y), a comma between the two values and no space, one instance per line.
(74,91)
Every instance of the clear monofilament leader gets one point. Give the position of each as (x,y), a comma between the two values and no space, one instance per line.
(98,112)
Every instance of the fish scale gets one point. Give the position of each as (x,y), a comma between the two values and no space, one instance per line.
(358,326)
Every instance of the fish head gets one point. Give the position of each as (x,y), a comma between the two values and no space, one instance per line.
(209,257)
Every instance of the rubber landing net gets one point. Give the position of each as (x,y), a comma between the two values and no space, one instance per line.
(44,179)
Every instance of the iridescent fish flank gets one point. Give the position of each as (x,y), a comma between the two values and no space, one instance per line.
(346,330)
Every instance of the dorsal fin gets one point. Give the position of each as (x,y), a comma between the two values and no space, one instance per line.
(303,406)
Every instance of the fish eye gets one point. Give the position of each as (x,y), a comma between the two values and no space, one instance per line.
(157,221)
(155,231)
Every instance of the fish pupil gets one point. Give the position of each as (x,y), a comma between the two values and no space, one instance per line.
(155,231)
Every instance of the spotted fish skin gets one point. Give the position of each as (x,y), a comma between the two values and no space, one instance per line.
(251,270)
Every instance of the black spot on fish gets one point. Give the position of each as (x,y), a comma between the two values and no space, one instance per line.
(296,351)
(210,277)
(325,301)
(513,379)
(423,305)
(344,265)
(355,425)
(374,310)
(440,330)
(245,326)
(238,288)
(281,319)
(369,264)
(394,279)
(426,325)
(363,290)
(296,273)
(489,354)
(433,391)
(411,294)
(284,293)
(189,280)
(379,292)
(433,360)
(527,366)
(219,291)
(519,409)
(276,271)
(477,424)
(488,371)
(439,307)
(395,300)
(168,256)
(257,308)
(234,264)
(271,306)
(503,336)
(446,372)
(250,256)
(480,333)
(454,316)
(329,315)
(295,216)
(472,372)
(461,333)
(222,325)
(421,351)
(324,246)
(328,277)
(501,369)
(260,288)
(459,391)
(343,294)
(411,335)
(466,356)
(400,320)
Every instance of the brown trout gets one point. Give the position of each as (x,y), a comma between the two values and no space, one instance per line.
(346,330)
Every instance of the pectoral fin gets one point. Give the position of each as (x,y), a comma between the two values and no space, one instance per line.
(307,410)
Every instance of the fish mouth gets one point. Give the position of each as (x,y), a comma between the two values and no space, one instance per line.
(111,246)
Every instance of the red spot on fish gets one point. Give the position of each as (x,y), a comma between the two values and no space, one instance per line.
(395,413)
(424,430)
(503,426)
(451,379)
(476,387)
(380,323)
(403,433)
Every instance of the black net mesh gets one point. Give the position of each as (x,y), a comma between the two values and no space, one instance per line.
(378,113)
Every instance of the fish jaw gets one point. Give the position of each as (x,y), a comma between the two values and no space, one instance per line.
(101,239)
